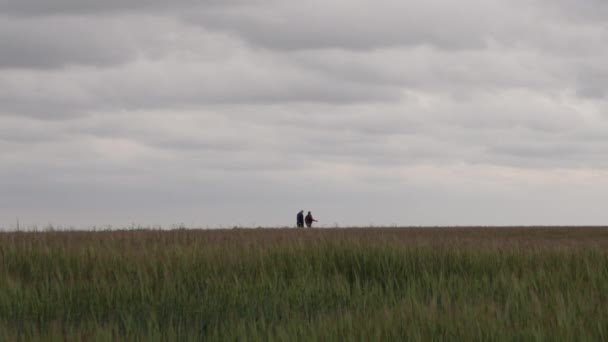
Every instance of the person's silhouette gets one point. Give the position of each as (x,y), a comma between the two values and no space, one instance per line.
(309,220)
(300,219)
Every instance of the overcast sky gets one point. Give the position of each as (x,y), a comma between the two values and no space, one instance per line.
(243,112)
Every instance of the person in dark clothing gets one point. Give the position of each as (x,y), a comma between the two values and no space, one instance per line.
(309,220)
(300,219)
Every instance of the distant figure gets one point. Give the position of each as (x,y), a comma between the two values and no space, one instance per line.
(309,220)
(300,219)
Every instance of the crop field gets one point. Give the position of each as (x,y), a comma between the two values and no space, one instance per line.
(306,284)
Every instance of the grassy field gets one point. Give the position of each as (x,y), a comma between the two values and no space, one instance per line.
(316,284)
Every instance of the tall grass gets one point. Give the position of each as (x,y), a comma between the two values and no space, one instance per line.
(304,285)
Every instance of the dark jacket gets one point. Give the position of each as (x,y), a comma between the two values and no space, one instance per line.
(300,219)
(309,220)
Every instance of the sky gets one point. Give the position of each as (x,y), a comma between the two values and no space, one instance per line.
(222,113)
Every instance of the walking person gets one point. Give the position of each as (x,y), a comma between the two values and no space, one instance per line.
(300,219)
(309,220)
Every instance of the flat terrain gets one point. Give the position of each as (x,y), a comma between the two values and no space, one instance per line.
(306,284)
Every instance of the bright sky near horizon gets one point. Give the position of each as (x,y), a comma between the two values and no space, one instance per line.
(233,112)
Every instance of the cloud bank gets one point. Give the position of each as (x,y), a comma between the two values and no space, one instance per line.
(222,113)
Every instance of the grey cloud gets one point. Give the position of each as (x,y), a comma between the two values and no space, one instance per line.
(22,131)
(198,145)
(559,151)
(155,137)
(580,11)
(60,42)
(356,25)
(593,82)
(49,96)
(237,81)
(438,70)
(190,85)
(54,7)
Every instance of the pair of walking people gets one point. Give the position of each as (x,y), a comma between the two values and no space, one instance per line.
(308,219)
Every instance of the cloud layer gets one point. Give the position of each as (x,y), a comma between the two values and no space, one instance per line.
(222,113)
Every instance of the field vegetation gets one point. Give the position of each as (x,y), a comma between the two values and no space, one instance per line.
(306,284)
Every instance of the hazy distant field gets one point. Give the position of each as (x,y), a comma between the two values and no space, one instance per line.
(313,284)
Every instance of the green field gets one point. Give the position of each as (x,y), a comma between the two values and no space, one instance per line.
(316,284)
